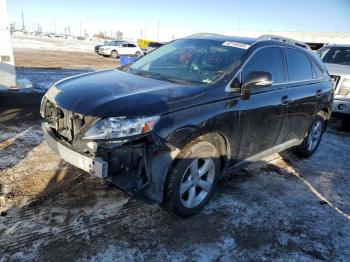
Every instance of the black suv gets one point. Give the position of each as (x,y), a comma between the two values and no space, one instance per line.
(165,128)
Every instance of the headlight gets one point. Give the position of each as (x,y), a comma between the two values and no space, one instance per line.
(118,127)
(344,89)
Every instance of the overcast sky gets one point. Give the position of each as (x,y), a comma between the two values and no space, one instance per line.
(180,17)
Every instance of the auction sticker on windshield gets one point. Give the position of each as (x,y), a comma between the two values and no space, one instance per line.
(235,44)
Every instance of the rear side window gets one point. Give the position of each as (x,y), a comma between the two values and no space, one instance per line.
(268,60)
(318,73)
(299,66)
(131,45)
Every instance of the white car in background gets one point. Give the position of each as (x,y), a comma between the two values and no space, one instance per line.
(337,61)
(121,48)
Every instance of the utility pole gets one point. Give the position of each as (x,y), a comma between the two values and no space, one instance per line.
(23,26)
(80,30)
(158,31)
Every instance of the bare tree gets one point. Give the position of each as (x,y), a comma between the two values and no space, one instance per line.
(119,35)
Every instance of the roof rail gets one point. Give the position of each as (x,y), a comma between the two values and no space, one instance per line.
(204,34)
(284,39)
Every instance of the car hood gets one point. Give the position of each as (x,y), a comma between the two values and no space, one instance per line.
(335,69)
(116,93)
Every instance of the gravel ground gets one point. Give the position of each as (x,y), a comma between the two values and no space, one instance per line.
(25,57)
(282,209)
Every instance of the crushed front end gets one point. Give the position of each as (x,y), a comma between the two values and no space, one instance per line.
(128,163)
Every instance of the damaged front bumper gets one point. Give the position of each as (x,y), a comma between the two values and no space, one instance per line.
(138,168)
(96,166)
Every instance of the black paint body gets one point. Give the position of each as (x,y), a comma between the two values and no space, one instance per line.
(246,125)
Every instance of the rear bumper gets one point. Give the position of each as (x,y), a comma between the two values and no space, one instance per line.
(95,166)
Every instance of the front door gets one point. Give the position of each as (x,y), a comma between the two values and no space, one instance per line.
(263,114)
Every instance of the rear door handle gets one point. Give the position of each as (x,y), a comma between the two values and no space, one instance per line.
(318,93)
(285,100)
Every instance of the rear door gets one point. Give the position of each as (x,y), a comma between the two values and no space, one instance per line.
(262,116)
(123,49)
(306,92)
(132,49)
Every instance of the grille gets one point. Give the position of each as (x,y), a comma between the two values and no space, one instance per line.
(335,80)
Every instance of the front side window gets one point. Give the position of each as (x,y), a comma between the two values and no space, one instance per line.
(335,55)
(267,60)
(190,60)
(299,66)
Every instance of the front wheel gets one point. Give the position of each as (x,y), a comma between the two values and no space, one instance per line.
(138,54)
(192,180)
(312,139)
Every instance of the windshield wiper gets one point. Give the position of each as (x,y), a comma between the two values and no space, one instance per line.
(156,75)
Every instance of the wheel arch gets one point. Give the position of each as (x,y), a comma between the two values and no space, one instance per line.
(325,113)
(162,162)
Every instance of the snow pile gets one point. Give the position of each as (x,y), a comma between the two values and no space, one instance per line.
(52,44)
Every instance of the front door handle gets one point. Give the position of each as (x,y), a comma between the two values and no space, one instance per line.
(318,93)
(285,100)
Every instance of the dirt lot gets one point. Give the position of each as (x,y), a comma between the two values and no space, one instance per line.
(62,59)
(281,209)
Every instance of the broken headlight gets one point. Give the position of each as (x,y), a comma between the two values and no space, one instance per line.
(119,127)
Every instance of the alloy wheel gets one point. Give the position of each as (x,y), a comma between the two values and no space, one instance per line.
(197,182)
(314,136)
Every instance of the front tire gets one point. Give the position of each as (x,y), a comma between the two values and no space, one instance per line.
(312,139)
(191,181)
(138,54)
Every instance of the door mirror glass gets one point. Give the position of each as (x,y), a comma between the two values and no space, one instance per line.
(257,79)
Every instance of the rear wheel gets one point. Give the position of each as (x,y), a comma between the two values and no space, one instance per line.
(114,54)
(313,138)
(191,182)
(138,54)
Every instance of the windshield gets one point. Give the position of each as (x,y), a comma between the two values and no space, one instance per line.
(335,55)
(191,60)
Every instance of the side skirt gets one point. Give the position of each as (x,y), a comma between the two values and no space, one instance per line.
(268,152)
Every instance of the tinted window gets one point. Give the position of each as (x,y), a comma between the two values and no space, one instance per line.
(131,45)
(299,66)
(317,70)
(124,45)
(267,60)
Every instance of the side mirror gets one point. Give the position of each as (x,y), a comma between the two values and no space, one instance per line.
(257,79)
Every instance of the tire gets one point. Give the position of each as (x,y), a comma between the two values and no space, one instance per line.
(138,54)
(312,139)
(186,176)
(114,54)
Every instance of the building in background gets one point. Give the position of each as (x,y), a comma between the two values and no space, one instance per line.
(7,64)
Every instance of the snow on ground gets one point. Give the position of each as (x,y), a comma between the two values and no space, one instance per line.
(53,44)
(281,209)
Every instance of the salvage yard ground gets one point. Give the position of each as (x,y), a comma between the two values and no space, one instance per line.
(283,209)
